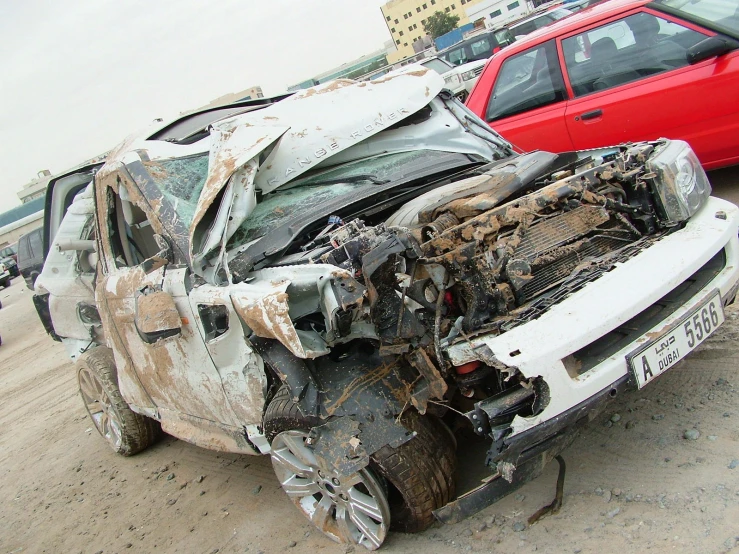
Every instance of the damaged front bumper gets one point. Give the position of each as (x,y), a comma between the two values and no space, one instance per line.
(579,347)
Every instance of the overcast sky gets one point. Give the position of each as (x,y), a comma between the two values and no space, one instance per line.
(77,76)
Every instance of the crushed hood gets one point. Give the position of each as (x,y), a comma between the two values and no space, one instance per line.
(268,148)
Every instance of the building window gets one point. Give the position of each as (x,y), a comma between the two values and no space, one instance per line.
(397,42)
(415,25)
(392,30)
(454,7)
(513,6)
(464,2)
(400,33)
(396,21)
(446,10)
(388,18)
(405,16)
(496,13)
(405,44)
(425,7)
(410,27)
(418,10)
(433,2)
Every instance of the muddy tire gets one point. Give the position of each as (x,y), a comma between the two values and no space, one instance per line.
(421,473)
(419,476)
(125,431)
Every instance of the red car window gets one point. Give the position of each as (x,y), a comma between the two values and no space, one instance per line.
(626,50)
(528,80)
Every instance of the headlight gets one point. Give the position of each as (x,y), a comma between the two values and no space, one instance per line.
(682,185)
(88,314)
(468,75)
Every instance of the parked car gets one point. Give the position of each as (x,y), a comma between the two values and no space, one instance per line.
(11,265)
(478,47)
(5,276)
(31,256)
(458,80)
(537,21)
(10,251)
(621,70)
(340,297)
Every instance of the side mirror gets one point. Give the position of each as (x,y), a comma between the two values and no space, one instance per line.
(156,315)
(161,258)
(709,48)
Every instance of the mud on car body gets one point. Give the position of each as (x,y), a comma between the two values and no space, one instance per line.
(342,277)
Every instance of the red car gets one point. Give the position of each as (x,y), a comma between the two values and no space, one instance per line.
(623,70)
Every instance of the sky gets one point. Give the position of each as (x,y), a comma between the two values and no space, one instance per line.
(78,76)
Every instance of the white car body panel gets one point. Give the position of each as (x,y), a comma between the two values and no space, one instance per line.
(621,293)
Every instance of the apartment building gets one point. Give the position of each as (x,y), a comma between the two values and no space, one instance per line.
(405,19)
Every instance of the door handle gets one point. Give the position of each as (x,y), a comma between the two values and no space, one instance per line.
(591,115)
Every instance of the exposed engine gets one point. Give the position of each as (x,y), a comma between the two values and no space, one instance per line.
(485,262)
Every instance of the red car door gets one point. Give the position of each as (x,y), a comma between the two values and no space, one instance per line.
(629,80)
(522,96)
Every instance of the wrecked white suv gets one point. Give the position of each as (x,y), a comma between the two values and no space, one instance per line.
(363,277)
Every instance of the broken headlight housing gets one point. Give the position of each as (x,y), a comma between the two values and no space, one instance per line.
(682,186)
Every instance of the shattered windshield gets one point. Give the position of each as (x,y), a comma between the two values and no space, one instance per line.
(310,193)
(181,180)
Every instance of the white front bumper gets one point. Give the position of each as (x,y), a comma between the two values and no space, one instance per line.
(608,302)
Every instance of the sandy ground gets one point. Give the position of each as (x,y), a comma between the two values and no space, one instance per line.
(633,484)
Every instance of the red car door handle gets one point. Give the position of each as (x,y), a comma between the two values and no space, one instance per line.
(591,115)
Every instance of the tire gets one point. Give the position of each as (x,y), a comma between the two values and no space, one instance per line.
(422,473)
(5,283)
(419,475)
(125,431)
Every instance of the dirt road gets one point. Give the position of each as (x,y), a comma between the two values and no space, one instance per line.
(633,482)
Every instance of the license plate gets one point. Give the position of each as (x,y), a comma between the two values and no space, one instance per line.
(665,351)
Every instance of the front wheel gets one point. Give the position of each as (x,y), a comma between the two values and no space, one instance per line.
(399,489)
(126,432)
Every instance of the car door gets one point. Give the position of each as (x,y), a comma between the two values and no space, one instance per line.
(163,362)
(526,100)
(630,80)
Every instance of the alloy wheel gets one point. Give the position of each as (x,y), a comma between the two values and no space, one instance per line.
(349,510)
(98,405)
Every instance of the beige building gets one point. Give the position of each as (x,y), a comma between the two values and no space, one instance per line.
(405,19)
(36,188)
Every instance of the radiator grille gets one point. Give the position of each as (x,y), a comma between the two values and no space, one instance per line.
(546,277)
(551,233)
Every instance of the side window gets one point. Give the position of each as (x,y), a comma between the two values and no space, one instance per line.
(626,50)
(526,81)
(24,251)
(481,47)
(35,243)
(524,28)
(457,57)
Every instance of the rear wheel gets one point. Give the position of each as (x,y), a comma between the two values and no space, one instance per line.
(399,490)
(126,432)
